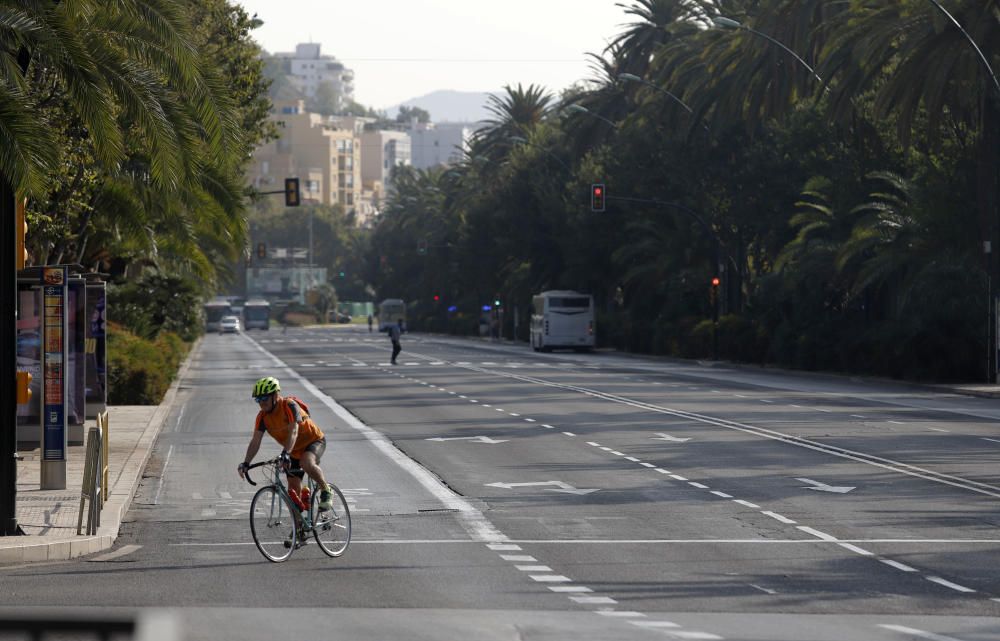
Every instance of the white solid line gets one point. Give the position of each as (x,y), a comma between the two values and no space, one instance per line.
(122,551)
(519,558)
(593,443)
(854,548)
(697,485)
(159,485)
(533,568)
(722,494)
(550,578)
(644,464)
(898,565)
(569,588)
(594,600)
(948,584)
(513,547)
(632,458)
(915,632)
(746,504)
(677,477)
(778,517)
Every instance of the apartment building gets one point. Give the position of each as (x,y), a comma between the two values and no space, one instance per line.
(381,151)
(308,69)
(438,144)
(324,153)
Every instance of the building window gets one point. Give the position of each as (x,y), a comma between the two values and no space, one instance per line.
(350,198)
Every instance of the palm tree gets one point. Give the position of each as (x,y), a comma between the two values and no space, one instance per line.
(516,112)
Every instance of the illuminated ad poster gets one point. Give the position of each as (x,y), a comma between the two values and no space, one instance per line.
(53,363)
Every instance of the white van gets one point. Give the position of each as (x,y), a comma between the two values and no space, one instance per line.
(562,319)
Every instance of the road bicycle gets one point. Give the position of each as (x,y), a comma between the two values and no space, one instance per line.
(279,527)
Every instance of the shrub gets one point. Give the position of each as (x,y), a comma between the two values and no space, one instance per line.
(140,370)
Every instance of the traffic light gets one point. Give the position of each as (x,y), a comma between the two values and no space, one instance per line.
(597,197)
(341,274)
(422,247)
(261,250)
(437,298)
(292,198)
(23,388)
(496,302)
(20,231)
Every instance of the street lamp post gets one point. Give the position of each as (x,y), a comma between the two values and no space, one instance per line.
(992,337)
(729,23)
(524,141)
(717,266)
(580,109)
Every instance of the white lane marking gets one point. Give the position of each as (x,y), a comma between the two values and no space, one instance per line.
(225,495)
(533,568)
(499,409)
(620,613)
(938,429)
(122,551)
(632,458)
(529,420)
(159,485)
(898,565)
(915,632)
(763,589)
(858,416)
(820,409)
(644,464)
(991,439)
(722,494)
(662,471)
(503,546)
(593,600)
(487,405)
(793,405)
(593,443)
(514,414)
(480,439)
(569,588)
(550,578)
(778,517)
(746,504)
(698,485)
(655,624)
(560,486)
(547,426)
(472,400)
(569,433)
(817,533)
(518,558)
(514,547)
(462,396)
(823,487)
(948,584)
(453,393)
(764,400)
(701,636)
(677,477)
(856,549)
(660,436)
(472,520)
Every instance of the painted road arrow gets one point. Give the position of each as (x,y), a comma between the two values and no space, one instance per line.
(660,436)
(481,439)
(823,487)
(562,487)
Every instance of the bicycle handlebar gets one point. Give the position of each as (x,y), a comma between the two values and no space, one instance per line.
(273,461)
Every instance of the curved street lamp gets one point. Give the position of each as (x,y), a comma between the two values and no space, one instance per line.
(580,109)
(631,77)
(520,140)
(982,57)
(729,23)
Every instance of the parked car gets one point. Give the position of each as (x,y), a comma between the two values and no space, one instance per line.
(229,325)
(343,318)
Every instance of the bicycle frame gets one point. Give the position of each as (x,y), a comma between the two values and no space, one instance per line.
(304,517)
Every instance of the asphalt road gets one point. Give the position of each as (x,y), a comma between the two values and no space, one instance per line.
(501,494)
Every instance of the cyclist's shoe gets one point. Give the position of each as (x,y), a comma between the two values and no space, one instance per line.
(299,543)
(325,499)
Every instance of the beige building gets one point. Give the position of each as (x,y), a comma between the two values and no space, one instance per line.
(324,153)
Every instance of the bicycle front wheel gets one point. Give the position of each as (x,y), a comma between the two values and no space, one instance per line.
(273,524)
(332,528)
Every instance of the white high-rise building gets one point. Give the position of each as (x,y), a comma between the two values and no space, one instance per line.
(308,69)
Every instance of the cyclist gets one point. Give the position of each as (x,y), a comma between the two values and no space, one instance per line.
(302,441)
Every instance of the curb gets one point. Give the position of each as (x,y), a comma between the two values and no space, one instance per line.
(119,499)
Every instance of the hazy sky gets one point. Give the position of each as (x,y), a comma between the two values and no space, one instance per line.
(401,49)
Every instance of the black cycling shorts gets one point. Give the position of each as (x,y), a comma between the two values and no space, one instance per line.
(316,447)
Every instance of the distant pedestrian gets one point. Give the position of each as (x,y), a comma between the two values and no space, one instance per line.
(369,323)
(394,333)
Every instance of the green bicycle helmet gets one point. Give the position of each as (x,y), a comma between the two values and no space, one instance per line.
(265,386)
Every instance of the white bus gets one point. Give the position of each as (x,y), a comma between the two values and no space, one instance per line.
(390,312)
(214,311)
(562,319)
(257,314)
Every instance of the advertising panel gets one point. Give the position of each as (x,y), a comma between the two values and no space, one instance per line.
(53,365)
(96,350)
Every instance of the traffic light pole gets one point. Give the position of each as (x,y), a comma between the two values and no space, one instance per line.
(8,381)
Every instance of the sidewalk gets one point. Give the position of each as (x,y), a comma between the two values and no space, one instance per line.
(49,517)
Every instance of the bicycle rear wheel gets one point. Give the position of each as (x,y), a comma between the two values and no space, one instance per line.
(272,524)
(332,528)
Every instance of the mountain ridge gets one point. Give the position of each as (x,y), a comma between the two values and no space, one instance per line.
(448,105)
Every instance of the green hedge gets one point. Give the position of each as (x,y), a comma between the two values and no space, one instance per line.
(139,370)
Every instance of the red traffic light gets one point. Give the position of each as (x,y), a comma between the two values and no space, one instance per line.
(715,281)
(436,298)
(597,197)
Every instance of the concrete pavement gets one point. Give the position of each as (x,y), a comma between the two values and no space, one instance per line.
(49,517)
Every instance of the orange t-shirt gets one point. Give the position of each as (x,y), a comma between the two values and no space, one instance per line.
(279,421)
